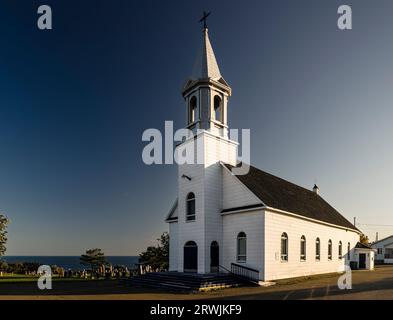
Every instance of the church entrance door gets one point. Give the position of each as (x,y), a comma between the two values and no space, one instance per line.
(191,257)
(214,256)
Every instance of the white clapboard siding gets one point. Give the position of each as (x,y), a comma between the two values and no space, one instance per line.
(206,184)
(252,224)
(235,193)
(276,224)
(173,246)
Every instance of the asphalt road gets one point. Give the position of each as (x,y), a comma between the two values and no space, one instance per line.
(376,284)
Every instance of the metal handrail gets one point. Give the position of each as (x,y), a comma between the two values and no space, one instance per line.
(245,272)
(244,267)
(227,270)
(244,276)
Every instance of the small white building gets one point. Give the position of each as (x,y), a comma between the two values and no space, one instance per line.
(384,250)
(256,223)
(364,256)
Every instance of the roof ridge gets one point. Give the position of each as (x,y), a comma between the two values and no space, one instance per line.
(282,179)
(287,181)
(285,195)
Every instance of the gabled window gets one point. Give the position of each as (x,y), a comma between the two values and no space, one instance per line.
(284,247)
(190,207)
(330,250)
(340,250)
(317,249)
(303,248)
(241,247)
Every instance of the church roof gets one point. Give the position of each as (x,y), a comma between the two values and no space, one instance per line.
(206,64)
(280,194)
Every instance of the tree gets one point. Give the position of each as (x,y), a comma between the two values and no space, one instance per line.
(3,234)
(364,239)
(157,257)
(93,258)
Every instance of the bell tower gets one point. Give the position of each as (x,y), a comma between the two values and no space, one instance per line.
(199,228)
(206,93)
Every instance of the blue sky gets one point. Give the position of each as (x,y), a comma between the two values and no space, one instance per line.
(75,101)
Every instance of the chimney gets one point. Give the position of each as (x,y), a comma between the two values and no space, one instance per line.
(315,189)
(376,237)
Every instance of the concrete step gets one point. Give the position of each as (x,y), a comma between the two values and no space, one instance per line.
(175,281)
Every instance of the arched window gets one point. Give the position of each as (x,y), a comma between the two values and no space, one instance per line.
(303,248)
(317,249)
(340,250)
(218,110)
(190,207)
(349,251)
(241,247)
(192,113)
(330,250)
(284,247)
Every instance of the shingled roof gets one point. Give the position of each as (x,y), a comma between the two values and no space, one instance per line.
(360,245)
(280,194)
(206,65)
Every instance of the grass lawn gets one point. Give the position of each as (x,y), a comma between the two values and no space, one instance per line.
(15,278)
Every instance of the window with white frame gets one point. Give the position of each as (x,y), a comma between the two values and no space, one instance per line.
(284,247)
(317,249)
(303,248)
(241,247)
(340,250)
(330,247)
(190,207)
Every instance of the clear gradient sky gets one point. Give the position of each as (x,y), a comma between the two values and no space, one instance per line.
(75,101)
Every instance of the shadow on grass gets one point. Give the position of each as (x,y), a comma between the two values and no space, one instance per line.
(75,287)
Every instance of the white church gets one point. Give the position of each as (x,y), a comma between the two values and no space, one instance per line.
(257,224)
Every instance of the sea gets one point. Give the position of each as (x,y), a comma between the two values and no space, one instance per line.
(71,262)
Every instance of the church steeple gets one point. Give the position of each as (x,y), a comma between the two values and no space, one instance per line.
(206,64)
(206,93)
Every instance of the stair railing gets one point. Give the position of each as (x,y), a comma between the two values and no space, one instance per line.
(243,272)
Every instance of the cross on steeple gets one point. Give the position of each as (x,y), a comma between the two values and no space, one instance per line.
(204,18)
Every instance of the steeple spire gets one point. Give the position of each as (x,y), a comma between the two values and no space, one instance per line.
(206,92)
(206,65)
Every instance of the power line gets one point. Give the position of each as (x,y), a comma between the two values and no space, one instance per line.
(375,225)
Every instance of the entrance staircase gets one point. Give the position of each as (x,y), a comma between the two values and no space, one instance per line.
(185,282)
